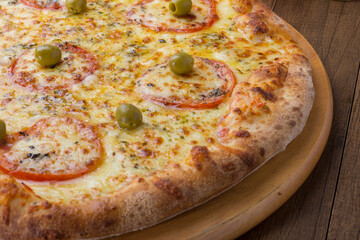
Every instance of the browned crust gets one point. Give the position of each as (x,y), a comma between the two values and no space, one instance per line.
(146,201)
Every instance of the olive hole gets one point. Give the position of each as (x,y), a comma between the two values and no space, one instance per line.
(172,7)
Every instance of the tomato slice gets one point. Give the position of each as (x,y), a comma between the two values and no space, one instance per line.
(47,4)
(53,149)
(76,65)
(155,15)
(206,87)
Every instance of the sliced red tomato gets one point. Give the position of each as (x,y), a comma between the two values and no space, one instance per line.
(205,87)
(76,65)
(41,4)
(155,15)
(53,149)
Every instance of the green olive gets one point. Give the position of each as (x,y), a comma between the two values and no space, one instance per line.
(180,8)
(48,55)
(2,130)
(181,63)
(75,6)
(128,116)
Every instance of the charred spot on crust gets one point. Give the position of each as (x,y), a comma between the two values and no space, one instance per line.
(168,187)
(5,214)
(292,123)
(257,23)
(266,94)
(36,230)
(228,167)
(109,222)
(247,158)
(261,27)
(278,127)
(262,151)
(296,109)
(277,72)
(200,154)
(242,134)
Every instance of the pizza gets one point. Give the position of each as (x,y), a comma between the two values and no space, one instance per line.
(119,114)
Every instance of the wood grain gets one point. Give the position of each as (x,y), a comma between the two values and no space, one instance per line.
(270,3)
(345,218)
(334,31)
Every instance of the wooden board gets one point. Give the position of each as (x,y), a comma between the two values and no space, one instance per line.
(260,194)
(333,29)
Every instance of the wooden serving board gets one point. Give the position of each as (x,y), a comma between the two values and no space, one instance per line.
(251,201)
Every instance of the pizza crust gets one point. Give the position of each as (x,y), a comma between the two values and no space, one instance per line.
(207,172)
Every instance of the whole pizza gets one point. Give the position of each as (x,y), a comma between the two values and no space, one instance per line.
(118,114)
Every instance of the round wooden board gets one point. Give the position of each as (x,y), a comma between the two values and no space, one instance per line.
(251,201)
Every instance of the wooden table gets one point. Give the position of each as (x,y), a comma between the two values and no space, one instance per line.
(327,206)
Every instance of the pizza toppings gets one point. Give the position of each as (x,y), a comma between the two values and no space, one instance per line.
(206,86)
(180,8)
(74,67)
(128,116)
(54,149)
(44,4)
(75,6)
(48,55)
(181,63)
(2,130)
(155,15)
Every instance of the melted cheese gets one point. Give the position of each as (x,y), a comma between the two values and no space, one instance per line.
(71,69)
(40,152)
(160,82)
(125,52)
(155,14)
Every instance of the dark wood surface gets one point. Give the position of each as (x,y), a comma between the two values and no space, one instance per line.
(327,206)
